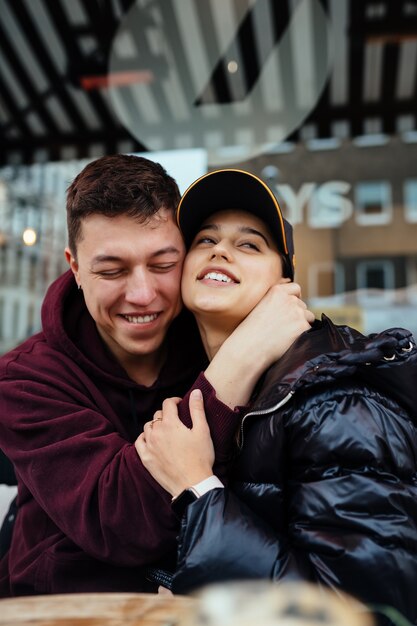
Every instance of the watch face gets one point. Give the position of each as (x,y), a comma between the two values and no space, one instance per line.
(180,503)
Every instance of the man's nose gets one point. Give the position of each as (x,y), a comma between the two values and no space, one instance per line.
(141,288)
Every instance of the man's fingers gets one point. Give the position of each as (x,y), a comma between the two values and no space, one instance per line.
(293,289)
(310,316)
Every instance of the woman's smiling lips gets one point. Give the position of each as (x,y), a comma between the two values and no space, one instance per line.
(217,275)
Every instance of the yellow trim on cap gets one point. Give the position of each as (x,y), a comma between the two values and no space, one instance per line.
(275,201)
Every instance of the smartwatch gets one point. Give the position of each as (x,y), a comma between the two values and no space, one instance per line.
(183,499)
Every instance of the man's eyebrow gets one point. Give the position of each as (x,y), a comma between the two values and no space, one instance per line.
(167,250)
(112,258)
(102,258)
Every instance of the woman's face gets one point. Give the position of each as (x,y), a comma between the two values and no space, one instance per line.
(231,264)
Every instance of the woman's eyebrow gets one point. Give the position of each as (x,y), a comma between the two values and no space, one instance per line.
(247,230)
(208,227)
(252,231)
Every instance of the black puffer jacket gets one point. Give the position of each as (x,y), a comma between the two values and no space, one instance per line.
(325,484)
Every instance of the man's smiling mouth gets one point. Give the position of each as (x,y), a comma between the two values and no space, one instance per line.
(140,319)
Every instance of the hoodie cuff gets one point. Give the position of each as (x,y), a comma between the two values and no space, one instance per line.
(222,420)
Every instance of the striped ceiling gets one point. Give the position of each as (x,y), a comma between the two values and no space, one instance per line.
(86,77)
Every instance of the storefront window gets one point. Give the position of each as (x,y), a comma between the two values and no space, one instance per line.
(315,97)
(410,200)
(373,203)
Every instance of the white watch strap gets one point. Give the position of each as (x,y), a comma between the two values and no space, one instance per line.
(212,482)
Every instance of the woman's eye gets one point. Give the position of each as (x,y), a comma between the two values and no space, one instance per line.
(208,240)
(250,245)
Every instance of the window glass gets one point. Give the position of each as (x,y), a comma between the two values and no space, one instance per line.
(373,203)
(410,200)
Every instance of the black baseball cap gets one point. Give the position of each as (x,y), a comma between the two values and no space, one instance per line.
(235,189)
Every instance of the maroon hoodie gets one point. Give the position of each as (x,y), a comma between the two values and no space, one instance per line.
(90,517)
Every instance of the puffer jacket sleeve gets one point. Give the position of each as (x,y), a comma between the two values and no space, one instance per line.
(352,509)
(349,520)
(223,539)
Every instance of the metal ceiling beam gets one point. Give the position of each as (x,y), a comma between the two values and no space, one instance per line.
(43,56)
(10,104)
(74,52)
(25,82)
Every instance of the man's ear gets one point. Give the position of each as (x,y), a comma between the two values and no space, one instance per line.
(73,263)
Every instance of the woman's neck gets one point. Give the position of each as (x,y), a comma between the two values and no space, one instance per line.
(213,335)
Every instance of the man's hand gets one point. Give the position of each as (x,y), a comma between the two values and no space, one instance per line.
(259,340)
(274,324)
(176,456)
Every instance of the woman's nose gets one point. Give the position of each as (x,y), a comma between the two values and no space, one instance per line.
(221,249)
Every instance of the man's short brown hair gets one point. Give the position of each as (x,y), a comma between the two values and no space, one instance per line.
(119,184)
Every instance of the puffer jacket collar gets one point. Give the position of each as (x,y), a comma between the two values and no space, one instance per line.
(386,361)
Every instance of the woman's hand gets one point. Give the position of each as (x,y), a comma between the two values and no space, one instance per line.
(177,456)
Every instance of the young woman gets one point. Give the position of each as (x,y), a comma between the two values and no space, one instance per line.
(323,483)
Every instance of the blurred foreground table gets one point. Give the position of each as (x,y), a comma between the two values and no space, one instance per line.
(95,609)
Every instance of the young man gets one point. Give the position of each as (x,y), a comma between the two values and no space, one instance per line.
(75,397)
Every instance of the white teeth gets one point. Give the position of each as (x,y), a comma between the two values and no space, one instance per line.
(217,276)
(141,319)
